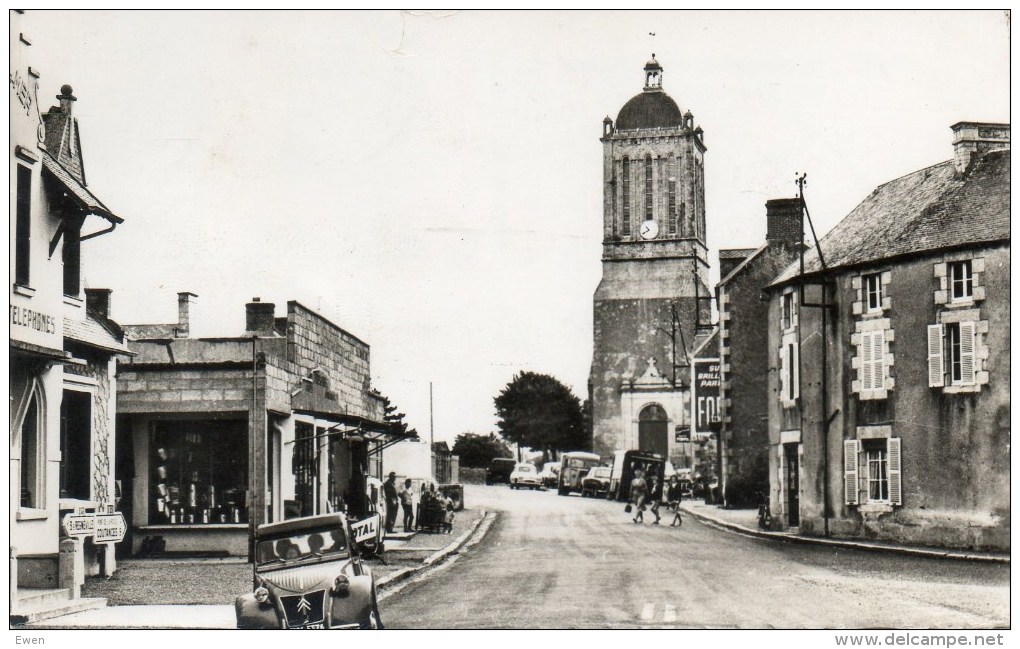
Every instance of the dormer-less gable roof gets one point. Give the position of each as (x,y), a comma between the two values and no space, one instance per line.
(932,209)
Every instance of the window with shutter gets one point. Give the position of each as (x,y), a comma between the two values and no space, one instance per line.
(936,361)
(850,486)
(865,351)
(895,472)
(878,360)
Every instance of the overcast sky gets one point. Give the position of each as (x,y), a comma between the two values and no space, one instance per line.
(432,182)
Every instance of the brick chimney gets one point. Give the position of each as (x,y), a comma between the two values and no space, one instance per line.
(260,316)
(972,139)
(183,329)
(97,300)
(67,99)
(785,221)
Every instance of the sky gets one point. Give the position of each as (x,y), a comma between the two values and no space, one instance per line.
(432,181)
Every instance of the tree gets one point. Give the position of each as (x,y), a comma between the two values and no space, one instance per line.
(478,450)
(537,411)
(392,415)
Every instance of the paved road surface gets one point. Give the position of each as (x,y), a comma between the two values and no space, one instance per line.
(568,562)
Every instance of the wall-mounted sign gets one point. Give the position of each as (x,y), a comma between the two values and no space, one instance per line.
(707,383)
(682,434)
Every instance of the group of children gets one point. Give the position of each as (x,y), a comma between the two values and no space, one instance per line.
(640,492)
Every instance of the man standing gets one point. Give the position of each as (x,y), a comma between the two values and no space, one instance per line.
(407,503)
(390,493)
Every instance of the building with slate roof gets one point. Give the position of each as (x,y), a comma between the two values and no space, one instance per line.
(63,356)
(742,351)
(888,361)
(653,296)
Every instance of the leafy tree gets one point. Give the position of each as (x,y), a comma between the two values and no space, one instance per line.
(479,450)
(392,415)
(537,411)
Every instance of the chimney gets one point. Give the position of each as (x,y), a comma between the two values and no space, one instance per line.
(971,140)
(785,220)
(730,258)
(66,99)
(97,300)
(259,316)
(183,329)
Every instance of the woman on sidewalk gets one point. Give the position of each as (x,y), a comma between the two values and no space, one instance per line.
(638,491)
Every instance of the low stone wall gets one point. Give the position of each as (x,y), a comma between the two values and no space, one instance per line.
(470,475)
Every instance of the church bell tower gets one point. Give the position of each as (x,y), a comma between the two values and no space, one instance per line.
(653,297)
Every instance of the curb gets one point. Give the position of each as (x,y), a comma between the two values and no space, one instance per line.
(435,557)
(855,545)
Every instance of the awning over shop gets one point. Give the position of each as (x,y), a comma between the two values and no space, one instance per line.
(381,434)
(85,199)
(38,351)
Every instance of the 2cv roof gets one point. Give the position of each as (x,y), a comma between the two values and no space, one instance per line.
(319,522)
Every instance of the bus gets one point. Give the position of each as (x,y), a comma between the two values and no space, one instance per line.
(625,463)
(573,467)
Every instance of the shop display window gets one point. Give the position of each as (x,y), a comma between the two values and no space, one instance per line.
(198,472)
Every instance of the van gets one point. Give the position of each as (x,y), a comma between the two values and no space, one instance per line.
(499,471)
(625,463)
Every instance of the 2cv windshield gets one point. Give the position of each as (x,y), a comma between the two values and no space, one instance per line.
(297,547)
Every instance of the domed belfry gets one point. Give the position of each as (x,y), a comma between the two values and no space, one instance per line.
(654,273)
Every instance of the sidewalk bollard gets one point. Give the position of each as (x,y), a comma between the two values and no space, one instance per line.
(14,580)
(72,567)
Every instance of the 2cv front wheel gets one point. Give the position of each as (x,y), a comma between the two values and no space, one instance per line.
(372,620)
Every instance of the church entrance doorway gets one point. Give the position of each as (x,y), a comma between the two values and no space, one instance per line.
(653,430)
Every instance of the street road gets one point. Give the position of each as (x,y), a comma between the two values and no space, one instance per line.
(569,562)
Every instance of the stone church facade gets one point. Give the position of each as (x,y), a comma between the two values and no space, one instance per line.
(653,298)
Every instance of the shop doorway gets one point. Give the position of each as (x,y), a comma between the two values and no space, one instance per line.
(75,444)
(653,430)
(792,461)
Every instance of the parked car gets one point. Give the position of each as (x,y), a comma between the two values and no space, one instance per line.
(596,483)
(308,574)
(573,467)
(499,471)
(525,475)
(550,474)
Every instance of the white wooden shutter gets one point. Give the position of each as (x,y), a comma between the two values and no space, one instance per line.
(878,360)
(866,353)
(850,485)
(784,363)
(895,472)
(936,360)
(795,388)
(967,353)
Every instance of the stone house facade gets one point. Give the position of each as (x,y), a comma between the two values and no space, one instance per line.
(63,354)
(889,362)
(743,350)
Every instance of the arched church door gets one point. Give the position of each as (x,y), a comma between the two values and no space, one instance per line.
(653,430)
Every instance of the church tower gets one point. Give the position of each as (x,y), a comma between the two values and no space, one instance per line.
(653,298)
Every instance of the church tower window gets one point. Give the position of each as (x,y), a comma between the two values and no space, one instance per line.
(625,226)
(648,188)
(671,199)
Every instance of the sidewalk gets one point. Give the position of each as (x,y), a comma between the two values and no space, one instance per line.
(405,556)
(745,521)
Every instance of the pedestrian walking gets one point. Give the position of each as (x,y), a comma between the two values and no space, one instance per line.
(390,493)
(406,496)
(638,492)
(655,494)
(674,495)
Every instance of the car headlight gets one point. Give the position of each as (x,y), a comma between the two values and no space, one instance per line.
(261,594)
(342,585)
